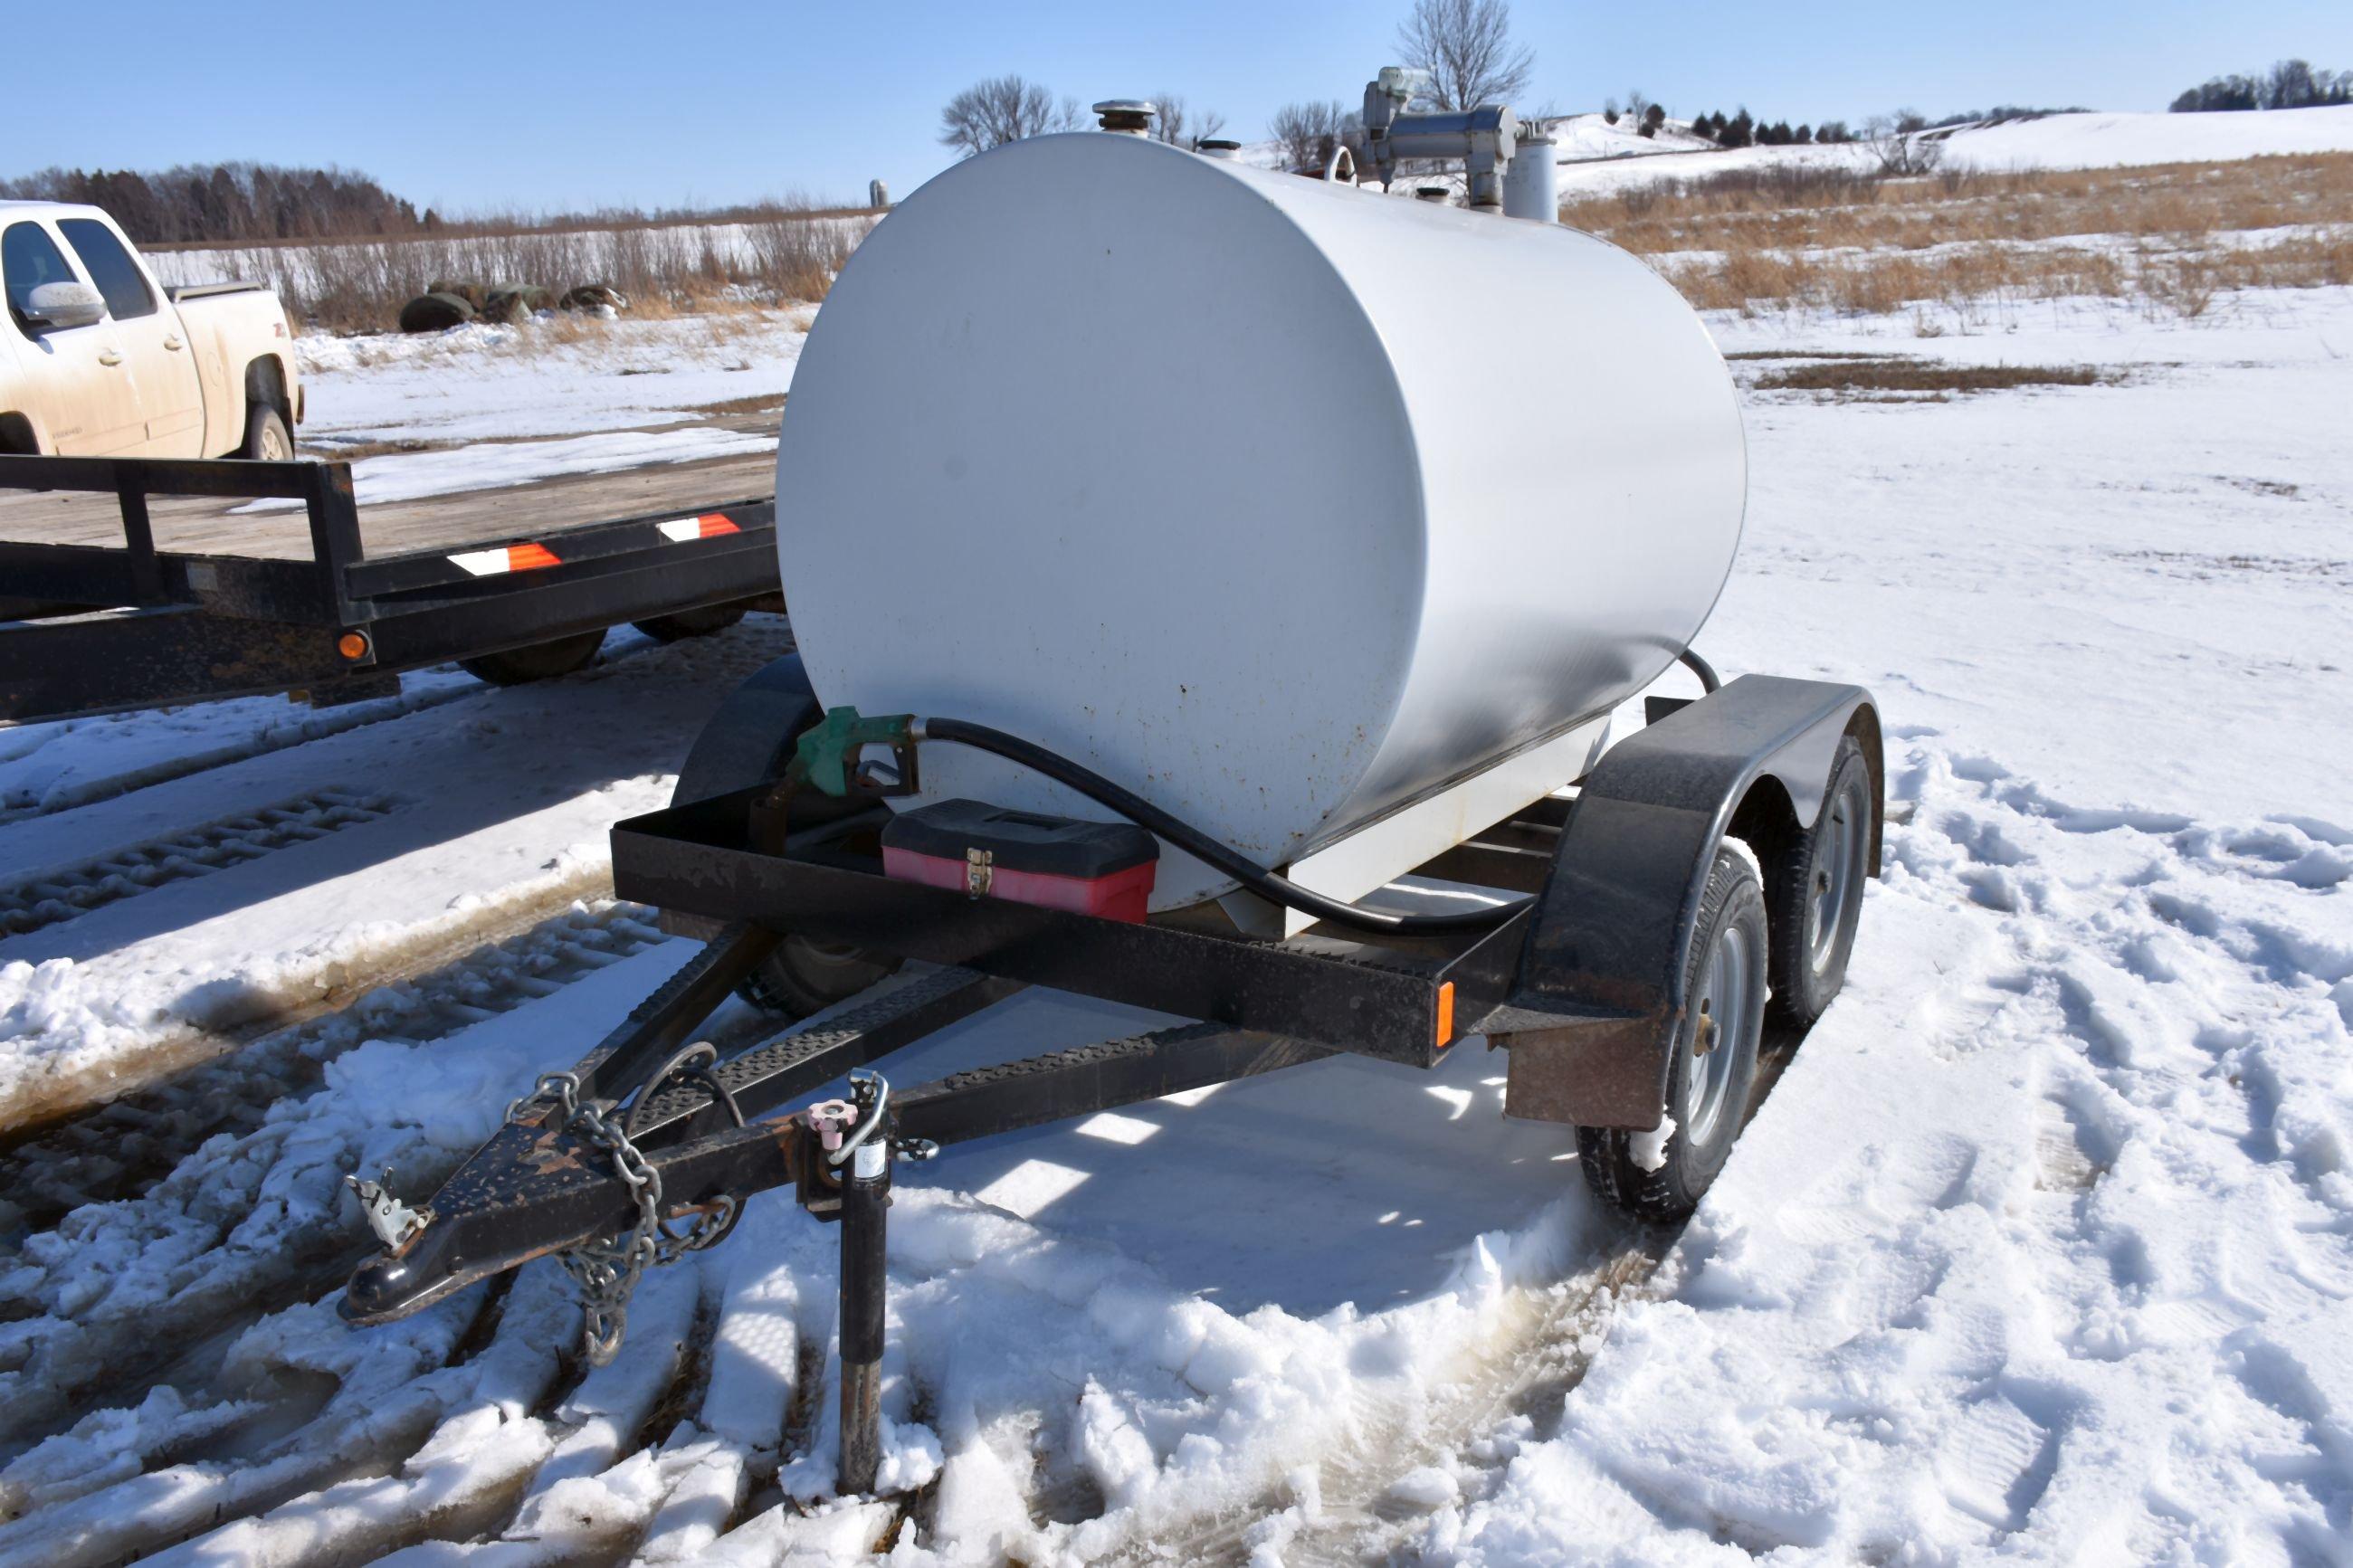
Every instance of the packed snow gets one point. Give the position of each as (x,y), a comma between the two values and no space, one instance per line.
(2041,1247)
(555,374)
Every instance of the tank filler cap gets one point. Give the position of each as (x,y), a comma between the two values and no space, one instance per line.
(1217,147)
(1128,116)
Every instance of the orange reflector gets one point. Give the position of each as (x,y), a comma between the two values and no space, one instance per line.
(351,644)
(715,523)
(523,557)
(1446,1015)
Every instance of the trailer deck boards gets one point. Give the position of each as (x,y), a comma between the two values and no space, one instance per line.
(204,525)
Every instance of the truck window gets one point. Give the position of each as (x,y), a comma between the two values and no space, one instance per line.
(28,258)
(110,268)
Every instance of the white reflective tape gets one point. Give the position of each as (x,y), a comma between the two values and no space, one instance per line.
(682,528)
(482,562)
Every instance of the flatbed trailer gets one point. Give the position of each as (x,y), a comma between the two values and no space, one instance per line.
(125,582)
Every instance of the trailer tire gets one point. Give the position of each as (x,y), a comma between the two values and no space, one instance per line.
(1706,1100)
(539,661)
(266,439)
(802,977)
(699,622)
(1814,883)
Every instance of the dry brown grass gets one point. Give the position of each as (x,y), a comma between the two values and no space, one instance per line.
(2174,237)
(1895,378)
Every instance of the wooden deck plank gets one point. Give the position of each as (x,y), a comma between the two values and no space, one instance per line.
(541,508)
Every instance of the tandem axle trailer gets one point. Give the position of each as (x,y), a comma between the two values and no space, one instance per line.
(88,628)
(1648,906)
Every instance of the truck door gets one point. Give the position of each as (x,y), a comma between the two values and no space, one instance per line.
(74,377)
(156,353)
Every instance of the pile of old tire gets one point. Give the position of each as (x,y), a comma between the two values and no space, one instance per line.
(446,304)
(435,311)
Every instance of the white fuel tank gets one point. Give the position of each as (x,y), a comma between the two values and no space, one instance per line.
(1282,503)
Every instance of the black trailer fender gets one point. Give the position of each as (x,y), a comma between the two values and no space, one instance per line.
(749,740)
(1600,996)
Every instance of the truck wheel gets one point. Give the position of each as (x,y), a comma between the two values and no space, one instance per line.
(540,661)
(695,623)
(1815,881)
(1714,1067)
(265,436)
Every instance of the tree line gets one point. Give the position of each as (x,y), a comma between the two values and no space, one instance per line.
(2290,84)
(231,203)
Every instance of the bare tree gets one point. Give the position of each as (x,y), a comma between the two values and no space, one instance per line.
(1179,127)
(1000,109)
(1638,104)
(1466,46)
(1899,145)
(1310,133)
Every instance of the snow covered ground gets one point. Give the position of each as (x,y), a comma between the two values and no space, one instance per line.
(1597,158)
(553,375)
(2042,1246)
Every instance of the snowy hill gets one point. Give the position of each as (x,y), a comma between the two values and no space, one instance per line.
(1595,156)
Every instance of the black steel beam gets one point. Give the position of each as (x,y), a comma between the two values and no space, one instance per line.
(1079,1083)
(1383,1001)
(141,658)
(773,1075)
(668,1019)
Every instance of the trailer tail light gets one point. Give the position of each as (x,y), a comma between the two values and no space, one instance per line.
(353,646)
(710,525)
(1102,868)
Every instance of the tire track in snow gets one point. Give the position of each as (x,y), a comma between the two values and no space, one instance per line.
(295,727)
(98,1306)
(125,1146)
(54,896)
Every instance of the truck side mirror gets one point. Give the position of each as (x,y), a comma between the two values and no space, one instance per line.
(58,305)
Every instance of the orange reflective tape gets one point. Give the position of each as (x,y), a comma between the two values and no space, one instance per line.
(1446,1015)
(716,523)
(524,557)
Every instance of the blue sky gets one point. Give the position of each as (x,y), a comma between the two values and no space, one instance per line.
(590,103)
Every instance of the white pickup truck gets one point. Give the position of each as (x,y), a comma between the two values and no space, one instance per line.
(99,360)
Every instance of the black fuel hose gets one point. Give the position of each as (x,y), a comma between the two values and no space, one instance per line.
(1266,884)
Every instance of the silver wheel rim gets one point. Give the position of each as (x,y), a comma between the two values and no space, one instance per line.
(1722,1024)
(1837,860)
(273,446)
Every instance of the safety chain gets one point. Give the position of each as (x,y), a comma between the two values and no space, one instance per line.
(608,1271)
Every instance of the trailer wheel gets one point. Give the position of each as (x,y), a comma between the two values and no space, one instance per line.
(695,623)
(802,977)
(540,661)
(1815,881)
(1713,1068)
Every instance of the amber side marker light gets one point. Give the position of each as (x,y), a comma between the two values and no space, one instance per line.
(1445,1015)
(352,645)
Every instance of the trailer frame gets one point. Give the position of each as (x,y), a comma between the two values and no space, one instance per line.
(1586,976)
(90,629)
